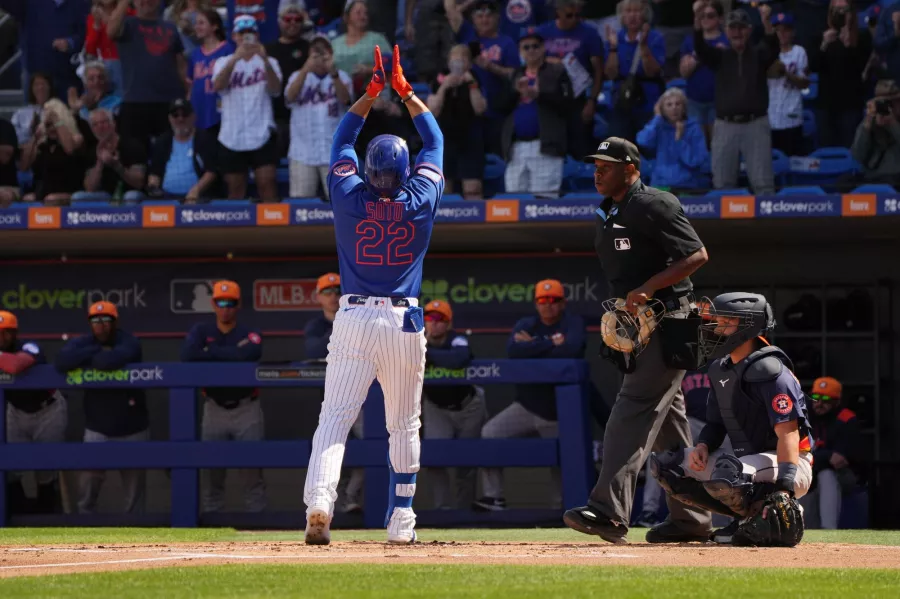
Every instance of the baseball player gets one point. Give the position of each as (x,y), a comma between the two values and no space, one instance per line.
(450,411)
(229,413)
(554,333)
(109,414)
(316,334)
(383,224)
(839,454)
(757,401)
(32,416)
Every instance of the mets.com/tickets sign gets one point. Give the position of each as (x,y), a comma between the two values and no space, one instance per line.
(571,208)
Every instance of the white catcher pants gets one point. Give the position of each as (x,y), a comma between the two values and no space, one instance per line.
(367,343)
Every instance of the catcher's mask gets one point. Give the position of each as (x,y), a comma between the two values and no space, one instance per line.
(732,319)
(627,332)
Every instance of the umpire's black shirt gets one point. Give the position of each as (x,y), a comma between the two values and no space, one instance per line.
(640,237)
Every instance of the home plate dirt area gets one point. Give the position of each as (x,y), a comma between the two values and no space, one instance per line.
(41,560)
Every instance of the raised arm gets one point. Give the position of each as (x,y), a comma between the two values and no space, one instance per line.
(352,122)
(426,125)
(117,20)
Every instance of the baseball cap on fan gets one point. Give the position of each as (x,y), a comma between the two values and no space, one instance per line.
(245,23)
(616,149)
(826,388)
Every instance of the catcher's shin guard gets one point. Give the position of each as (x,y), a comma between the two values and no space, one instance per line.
(729,485)
(666,468)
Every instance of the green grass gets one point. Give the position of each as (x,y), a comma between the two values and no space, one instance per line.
(92,536)
(361,580)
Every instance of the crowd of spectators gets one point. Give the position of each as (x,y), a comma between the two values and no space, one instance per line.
(707,89)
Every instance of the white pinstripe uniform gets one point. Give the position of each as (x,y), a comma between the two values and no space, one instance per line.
(379,329)
(247,121)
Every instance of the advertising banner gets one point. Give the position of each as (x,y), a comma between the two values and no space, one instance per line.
(169,297)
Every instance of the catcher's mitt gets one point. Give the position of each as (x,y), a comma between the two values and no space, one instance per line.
(778,524)
(626,332)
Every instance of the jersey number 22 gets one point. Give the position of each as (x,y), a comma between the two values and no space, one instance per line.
(381,244)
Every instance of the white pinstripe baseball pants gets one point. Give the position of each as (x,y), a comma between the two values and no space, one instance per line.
(367,342)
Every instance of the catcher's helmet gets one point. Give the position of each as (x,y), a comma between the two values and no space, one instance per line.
(626,332)
(387,165)
(732,319)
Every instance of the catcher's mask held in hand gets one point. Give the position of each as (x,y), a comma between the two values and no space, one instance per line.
(626,332)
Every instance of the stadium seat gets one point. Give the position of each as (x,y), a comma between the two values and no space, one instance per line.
(577,175)
(812,92)
(423,90)
(801,190)
(718,193)
(26,180)
(452,197)
(823,167)
(604,100)
(514,196)
(158,203)
(679,83)
(781,166)
(809,124)
(601,127)
(494,171)
(875,188)
(231,203)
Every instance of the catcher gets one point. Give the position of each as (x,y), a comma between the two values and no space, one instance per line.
(757,401)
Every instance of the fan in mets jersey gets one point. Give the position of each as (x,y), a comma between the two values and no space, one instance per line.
(383,220)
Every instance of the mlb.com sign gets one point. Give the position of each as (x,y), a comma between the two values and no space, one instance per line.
(131,376)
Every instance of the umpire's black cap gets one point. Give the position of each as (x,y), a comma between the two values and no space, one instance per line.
(616,149)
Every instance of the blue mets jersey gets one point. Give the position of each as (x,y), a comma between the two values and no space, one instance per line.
(382,242)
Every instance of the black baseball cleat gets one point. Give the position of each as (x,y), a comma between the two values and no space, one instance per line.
(590,522)
(666,532)
(723,536)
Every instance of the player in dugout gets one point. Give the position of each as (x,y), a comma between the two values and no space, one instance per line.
(32,416)
(109,414)
(450,411)
(229,413)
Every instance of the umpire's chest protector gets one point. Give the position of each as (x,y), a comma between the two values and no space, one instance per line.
(745,417)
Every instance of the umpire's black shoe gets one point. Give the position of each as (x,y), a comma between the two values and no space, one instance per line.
(591,522)
(666,532)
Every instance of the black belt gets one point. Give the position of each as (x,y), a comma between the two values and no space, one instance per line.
(741,118)
(359,300)
(234,403)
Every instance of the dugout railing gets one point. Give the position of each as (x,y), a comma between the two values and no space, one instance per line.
(183,454)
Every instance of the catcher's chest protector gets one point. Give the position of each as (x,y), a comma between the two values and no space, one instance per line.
(744,417)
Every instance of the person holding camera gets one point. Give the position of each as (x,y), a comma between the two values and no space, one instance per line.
(839,60)
(787,76)
(55,156)
(247,81)
(318,95)
(458,104)
(877,143)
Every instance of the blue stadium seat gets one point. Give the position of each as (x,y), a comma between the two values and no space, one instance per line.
(452,197)
(26,181)
(883,188)
(514,196)
(679,83)
(422,90)
(601,127)
(812,92)
(231,203)
(801,190)
(781,166)
(718,193)
(809,124)
(604,101)
(577,175)
(823,167)
(494,171)
(158,203)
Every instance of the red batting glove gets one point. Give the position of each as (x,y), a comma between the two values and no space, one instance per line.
(398,81)
(376,85)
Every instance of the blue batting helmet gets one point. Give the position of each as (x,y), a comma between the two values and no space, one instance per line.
(387,165)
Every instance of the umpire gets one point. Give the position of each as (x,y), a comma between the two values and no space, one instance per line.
(647,249)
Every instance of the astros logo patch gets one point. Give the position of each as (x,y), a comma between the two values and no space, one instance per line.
(782,404)
(344,170)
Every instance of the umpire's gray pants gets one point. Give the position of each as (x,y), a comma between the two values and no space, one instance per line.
(134,482)
(243,423)
(47,425)
(649,413)
(441,423)
(751,140)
